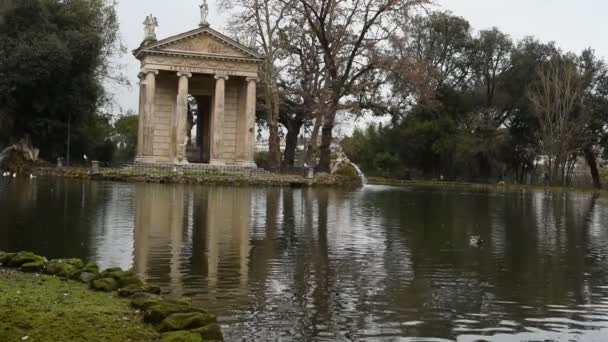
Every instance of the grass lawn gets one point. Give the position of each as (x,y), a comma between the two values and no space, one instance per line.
(37,307)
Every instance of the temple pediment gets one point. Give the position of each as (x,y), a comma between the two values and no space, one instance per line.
(202,42)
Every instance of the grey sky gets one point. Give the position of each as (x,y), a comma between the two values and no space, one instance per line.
(573,25)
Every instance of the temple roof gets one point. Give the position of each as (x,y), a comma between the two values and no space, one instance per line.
(202,42)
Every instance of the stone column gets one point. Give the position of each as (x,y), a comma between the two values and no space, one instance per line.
(147,151)
(250,117)
(142,114)
(180,122)
(217,145)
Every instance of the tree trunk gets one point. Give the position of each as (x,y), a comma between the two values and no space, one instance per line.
(291,143)
(311,148)
(325,149)
(274,140)
(592,162)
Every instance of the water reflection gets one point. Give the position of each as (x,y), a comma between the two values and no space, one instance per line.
(378,264)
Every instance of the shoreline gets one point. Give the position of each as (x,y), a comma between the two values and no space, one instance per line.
(207,178)
(480,186)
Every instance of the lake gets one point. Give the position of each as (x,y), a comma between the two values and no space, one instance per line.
(377,264)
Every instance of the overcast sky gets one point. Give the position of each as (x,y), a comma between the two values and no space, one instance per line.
(574,25)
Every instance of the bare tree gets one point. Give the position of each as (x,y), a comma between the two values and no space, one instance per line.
(264,19)
(349,34)
(303,81)
(557,97)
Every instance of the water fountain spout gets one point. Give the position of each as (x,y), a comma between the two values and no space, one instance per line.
(360,173)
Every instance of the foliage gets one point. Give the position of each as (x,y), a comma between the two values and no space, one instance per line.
(126,137)
(55,57)
(471,105)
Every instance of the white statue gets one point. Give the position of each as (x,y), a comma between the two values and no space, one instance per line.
(204,13)
(253,36)
(150,25)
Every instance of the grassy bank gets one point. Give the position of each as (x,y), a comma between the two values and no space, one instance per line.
(36,307)
(482,186)
(70,300)
(214,178)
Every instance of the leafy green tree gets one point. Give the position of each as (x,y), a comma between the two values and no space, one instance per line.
(125,137)
(55,57)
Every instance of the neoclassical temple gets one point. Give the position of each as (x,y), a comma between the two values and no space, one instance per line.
(197,97)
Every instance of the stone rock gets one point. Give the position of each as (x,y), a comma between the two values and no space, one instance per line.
(185,321)
(68,268)
(86,277)
(131,290)
(34,266)
(158,312)
(123,278)
(25,257)
(180,300)
(6,257)
(91,268)
(210,332)
(153,290)
(104,284)
(182,336)
(144,301)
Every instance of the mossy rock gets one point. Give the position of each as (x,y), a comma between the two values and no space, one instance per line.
(68,268)
(24,258)
(6,257)
(179,300)
(182,336)
(132,290)
(112,269)
(158,312)
(123,278)
(86,277)
(104,284)
(91,268)
(144,301)
(153,289)
(210,332)
(35,266)
(185,321)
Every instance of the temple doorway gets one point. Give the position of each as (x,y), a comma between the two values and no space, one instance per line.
(199,119)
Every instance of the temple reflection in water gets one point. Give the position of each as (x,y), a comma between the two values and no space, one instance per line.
(182,236)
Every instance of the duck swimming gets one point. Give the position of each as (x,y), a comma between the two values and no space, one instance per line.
(475,241)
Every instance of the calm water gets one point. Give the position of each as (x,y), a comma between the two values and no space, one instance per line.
(379,264)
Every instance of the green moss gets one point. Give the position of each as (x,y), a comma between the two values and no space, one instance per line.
(25,257)
(144,301)
(182,336)
(158,312)
(104,284)
(6,257)
(46,308)
(123,278)
(91,268)
(34,266)
(69,268)
(185,321)
(210,332)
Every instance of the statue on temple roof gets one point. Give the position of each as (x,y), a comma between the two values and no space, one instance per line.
(204,14)
(150,25)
